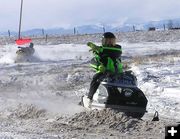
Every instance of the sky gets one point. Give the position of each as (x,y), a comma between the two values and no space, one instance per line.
(71,13)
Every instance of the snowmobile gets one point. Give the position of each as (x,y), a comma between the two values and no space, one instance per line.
(119,92)
(24,53)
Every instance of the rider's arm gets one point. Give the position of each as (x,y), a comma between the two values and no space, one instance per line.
(94,47)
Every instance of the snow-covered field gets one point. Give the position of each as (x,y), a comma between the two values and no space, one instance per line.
(39,99)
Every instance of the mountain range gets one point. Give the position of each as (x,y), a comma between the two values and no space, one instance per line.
(90,29)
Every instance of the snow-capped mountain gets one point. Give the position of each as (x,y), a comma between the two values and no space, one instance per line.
(89,29)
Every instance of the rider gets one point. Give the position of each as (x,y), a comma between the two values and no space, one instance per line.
(107,59)
(28,50)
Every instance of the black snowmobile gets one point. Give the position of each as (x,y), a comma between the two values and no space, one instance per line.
(119,92)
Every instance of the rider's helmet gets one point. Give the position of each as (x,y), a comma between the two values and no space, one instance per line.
(108,39)
(31,45)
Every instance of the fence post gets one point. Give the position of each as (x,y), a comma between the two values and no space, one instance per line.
(134,29)
(104,30)
(9,33)
(74,30)
(43,32)
(46,38)
(164,26)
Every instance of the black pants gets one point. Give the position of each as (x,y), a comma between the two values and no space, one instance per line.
(95,84)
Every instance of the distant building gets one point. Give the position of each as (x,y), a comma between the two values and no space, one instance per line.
(174,28)
(151,29)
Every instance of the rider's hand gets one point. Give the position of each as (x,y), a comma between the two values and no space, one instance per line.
(90,44)
(101,68)
(93,46)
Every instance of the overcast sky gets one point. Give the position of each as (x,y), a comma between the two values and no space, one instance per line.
(70,13)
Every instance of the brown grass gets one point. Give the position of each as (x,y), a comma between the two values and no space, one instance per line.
(162,57)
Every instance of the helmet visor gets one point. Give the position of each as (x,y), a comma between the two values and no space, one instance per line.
(109,41)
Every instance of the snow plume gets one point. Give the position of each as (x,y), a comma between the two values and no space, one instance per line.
(46,53)
(62,52)
(7,54)
(8,59)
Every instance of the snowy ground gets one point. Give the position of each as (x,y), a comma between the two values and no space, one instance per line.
(39,98)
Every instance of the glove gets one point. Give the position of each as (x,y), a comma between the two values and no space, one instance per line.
(90,44)
(101,68)
(93,46)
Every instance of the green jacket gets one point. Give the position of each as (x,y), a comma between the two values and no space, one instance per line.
(106,58)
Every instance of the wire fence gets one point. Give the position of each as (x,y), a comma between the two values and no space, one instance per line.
(131,37)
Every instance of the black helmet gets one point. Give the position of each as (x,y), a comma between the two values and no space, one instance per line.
(108,35)
(31,45)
